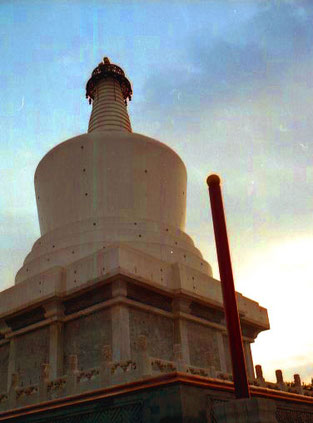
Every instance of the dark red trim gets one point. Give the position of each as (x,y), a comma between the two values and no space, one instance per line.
(228,288)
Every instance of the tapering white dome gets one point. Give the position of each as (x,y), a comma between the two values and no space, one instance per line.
(110,186)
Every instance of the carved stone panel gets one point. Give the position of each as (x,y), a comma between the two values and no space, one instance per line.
(32,349)
(86,337)
(227,354)
(203,346)
(159,331)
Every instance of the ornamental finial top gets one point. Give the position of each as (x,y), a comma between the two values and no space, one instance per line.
(107,69)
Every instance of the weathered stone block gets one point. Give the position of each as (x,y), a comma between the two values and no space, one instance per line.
(86,336)
(32,349)
(202,340)
(159,331)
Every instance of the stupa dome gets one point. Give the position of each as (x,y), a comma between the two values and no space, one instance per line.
(110,186)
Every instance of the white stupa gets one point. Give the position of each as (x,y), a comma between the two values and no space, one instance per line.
(110,186)
(113,290)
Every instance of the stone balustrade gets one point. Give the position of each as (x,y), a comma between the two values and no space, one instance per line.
(118,372)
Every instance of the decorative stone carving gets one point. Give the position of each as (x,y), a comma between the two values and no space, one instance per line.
(125,366)
(88,374)
(259,375)
(280,380)
(44,381)
(143,361)
(12,390)
(107,353)
(297,382)
(57,385)
(142,343)
(72,376)
(27,391)
(178,357)
(106,364)
(198,371)
(163,366)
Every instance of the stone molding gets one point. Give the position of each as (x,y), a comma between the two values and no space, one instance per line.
(174,280)
(111,303)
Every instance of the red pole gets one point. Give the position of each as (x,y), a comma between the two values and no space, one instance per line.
(228,287)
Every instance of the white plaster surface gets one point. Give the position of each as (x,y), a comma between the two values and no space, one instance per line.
(123,260)
(107,186)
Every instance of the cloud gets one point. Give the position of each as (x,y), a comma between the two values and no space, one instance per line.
(258,50)
(240,104)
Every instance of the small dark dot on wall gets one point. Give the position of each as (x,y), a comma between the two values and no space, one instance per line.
(84,170)
(166,229)
(86,193)
(185,256)
(73,252)
(161,270)
(146,171)
(53,246)
(183,192)
(94,223)
(161,279)
(139,236)
(40,291)
(39,282)
(135,223)
(175,242)
(82,147)
(193,278)
(27,270)
(103,268)
(103,246)
(75,280)
(38,197)
(75,272)
(201,264)
(48,259)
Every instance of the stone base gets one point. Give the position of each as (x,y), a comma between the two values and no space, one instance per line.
(114,317)
(168,398)
(253,410)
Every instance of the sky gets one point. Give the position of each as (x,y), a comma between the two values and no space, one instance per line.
(228,85)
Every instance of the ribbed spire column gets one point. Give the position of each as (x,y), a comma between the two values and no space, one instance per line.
(109,111)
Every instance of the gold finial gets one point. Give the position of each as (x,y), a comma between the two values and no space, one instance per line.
(106,61)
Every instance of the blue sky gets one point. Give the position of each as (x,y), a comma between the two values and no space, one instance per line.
(226,84)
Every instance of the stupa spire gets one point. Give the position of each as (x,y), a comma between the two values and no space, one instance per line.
(108,90)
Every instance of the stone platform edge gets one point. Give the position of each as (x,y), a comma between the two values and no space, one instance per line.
(121,260)
(151,383)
